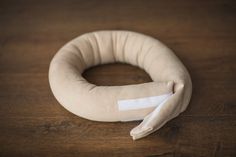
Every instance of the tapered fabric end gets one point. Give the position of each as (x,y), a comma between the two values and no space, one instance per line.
(140,132)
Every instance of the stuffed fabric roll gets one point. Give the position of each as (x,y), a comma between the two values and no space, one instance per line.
(155,102)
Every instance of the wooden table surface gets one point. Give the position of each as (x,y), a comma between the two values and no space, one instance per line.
(33,123)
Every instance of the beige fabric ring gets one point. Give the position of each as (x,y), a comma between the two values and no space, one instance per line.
(155,103)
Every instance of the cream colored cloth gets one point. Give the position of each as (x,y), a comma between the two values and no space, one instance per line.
(155,103)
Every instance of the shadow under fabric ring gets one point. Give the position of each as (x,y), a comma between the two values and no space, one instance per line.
(154,103)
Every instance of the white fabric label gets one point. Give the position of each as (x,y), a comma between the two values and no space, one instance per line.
(140,103)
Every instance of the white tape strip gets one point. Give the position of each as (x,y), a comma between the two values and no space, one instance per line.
(140,103)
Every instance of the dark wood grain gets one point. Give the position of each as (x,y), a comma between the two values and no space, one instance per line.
(33,123)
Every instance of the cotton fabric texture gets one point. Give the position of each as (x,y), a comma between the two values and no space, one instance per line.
(155,103)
